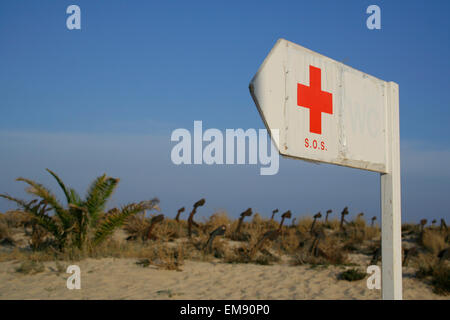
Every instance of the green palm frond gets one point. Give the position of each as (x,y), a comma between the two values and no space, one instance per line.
(22,203)
(62,185)
(78,211)
(115,220)
(98,194)
(46,221)
(81,225)
(76,199)
(38,211)
(39,190)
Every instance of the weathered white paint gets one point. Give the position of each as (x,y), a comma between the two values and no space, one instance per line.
(391,233)
(361,132)
(354,135)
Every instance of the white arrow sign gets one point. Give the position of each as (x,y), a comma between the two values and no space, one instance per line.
(328,112)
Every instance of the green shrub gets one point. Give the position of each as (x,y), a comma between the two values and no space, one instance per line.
(352,275)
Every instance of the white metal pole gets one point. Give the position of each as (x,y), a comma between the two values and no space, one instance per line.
(391,237)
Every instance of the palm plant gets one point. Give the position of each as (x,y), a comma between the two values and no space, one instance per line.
(82,221)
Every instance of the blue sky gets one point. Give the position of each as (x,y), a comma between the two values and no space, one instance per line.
(107,97)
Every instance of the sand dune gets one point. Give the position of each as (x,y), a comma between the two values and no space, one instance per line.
(111,278)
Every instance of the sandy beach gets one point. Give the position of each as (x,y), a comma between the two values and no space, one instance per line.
(111,278)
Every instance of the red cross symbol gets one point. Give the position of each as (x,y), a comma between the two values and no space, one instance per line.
(316,100)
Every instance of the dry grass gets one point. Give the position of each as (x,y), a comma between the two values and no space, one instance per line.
(5,232)
(359,222)
(328,252)
(433,241)
(257,219)
(435,272)
(290,242)
(245,255)
(440,279)
(305,223)
(170,229)
(15,219)
(136,226)
(6,235)
(333,224)
(164,258)
(170,246)
(217,219)
(409,228)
